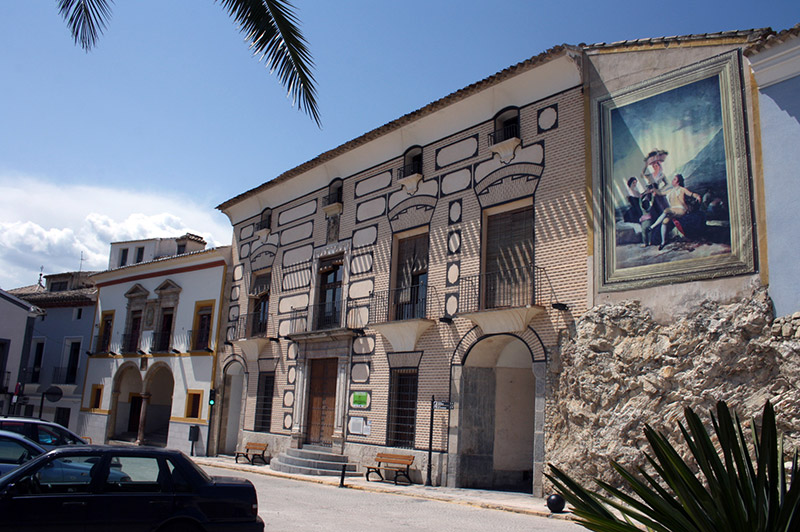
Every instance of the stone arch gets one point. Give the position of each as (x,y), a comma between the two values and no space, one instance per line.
(231,404)
(126,386)
(157,390)
(498,387)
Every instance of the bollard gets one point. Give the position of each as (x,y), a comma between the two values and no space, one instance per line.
(341,479)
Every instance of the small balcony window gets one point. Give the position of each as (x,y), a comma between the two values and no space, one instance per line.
(265,220)
(412,163)
(506,127)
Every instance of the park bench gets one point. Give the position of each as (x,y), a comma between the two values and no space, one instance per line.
(399,463)
(252,451)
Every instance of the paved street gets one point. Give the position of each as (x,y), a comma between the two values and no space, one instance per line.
(289,505)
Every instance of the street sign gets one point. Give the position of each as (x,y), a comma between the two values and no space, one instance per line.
(53,394)
(443,405)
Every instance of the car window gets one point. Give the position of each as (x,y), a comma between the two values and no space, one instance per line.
(49,436)
(66,436)
(13,452)
(14,426)
(179,482)
(137,474)
(67,474)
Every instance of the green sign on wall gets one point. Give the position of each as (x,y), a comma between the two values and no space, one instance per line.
(359,398)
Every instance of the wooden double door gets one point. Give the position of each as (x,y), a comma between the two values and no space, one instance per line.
(321,400)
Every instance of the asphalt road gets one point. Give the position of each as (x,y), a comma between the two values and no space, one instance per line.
(289,505)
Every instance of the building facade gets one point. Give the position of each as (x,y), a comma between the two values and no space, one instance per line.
(17,322)
(153,355)
(56,361)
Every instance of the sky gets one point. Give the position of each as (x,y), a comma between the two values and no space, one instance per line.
(171,115)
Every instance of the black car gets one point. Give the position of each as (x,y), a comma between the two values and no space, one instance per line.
(126,489)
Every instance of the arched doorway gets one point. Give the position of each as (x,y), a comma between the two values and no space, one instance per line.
(231,414)
(496,437)
(127,404)
(158,387)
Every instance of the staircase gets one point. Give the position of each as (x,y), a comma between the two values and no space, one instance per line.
(313,460)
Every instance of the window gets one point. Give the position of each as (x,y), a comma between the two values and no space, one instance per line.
(402,407)
(181,249)
(506,126)
(266,388)
(62,416)
(330,293)
(265,220)
(260,316)
(194,400)
(334,192)
(59,286)
(38,355)
(411,277)
(73,358)
(130,343)
(14,452)
(104,338)
(123,257)
(509,269)
(201,334)
(162,337)
(139,254)
(96,397)
(412,162)
(77,314)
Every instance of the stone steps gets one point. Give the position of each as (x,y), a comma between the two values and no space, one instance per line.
(313,461)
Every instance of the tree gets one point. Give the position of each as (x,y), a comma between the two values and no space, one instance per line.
(270,26)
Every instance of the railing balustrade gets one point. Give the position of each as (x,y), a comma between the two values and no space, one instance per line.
(200,339)
(504,133)
(399,304)
(130,342)
(414,167)
(253,325)
(161,342)
(65,375)
(517,287)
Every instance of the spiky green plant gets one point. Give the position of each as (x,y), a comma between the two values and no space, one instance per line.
(734,490)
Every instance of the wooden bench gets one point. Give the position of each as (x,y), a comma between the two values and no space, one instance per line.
(253,451)
(399,463)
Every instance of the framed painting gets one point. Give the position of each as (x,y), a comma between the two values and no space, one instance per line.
(675,184)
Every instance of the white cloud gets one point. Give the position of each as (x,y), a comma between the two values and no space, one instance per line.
(43,224)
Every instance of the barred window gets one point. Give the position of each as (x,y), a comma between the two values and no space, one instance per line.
(403,407)
(266,387)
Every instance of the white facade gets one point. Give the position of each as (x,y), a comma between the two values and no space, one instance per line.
(16,328)
(154,350)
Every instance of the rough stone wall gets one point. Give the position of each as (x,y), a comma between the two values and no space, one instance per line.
(622,370)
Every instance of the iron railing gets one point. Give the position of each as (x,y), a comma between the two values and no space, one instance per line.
(253,325)
(200,339)
(101,343)
(400,304)
(162,342)
(509,131)
(332,198)
(414,167)
(517,287)
(264,224)
(326,316)
(30,375)
(65,375)
(130,342)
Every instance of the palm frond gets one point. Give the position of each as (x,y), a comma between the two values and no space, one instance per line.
(86,19)
(271,28)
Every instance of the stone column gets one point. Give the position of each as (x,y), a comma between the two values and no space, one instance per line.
(300,399)
(143,418)
(341,401)
(111,420)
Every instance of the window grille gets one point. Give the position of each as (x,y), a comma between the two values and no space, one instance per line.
(403,407)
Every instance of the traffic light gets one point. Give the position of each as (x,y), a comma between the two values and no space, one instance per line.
(212,396)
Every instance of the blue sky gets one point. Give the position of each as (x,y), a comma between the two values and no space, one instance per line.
(171,115)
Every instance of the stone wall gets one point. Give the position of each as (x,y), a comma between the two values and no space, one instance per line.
(621,370)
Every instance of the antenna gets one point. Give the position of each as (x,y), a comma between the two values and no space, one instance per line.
(41,274)
(80,267)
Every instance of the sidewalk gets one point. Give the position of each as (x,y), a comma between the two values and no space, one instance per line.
(496,500)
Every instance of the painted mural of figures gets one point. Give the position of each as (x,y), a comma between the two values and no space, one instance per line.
(639,209)
(678,207)
(654,179)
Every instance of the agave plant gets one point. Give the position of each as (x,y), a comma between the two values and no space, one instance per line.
(733,491)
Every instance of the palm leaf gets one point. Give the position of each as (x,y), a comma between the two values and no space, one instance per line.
(86,19)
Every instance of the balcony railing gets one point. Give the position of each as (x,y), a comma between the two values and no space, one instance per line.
(130,342)
(30,375)
(399,304)
(518,287)
(263,224)
(332,198)
(65,375)
(162,342)
(200,339)
(325,316)
(101,343)
(510,131)
(414,167)
(253,325)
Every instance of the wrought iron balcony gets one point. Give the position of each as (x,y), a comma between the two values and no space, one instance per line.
(101,343)
(162,342)
(30,375)
(200,339)
(513,288)
(332,198)
(399,304)
(130,342)
(65,375)
(325,316)
(510,131)
(263,224)
(414,167)
(253,325)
